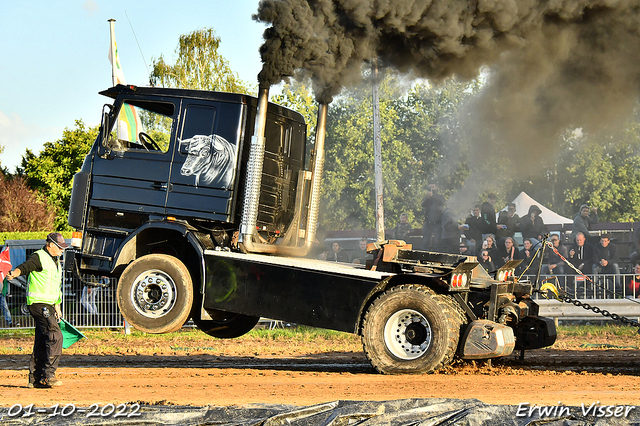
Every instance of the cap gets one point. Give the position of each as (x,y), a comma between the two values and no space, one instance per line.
(57,239)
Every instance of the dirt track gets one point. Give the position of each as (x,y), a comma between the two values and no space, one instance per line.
(289,374)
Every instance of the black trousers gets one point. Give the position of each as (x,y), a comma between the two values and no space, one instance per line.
(47,346)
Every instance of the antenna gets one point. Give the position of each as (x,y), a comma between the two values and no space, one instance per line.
(139,48)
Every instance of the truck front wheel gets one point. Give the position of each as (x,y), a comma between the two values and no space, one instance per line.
(410,329)
(155,293)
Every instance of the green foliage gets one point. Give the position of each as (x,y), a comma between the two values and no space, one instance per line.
(35,235)
(602,171)
(22,209)
(198,65)
(420,143)
(51,171)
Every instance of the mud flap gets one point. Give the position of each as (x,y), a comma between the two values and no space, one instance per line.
(534,332)
(486,339)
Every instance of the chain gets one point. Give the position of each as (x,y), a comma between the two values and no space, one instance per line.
(565,298)
(603,312)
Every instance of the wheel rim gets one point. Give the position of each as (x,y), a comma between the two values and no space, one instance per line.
(407,334)
(153,293)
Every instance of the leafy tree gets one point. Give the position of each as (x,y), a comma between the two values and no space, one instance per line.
(420,143)
(198,65)
(51,171)
(22,209)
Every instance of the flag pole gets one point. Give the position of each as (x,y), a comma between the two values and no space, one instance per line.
(113,50)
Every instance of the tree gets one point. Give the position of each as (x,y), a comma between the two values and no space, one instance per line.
(421,142)
(51,171)
(198,65)
(22,209)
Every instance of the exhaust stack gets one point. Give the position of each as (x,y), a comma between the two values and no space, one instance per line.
(316,180)
(248,233)
(254,169)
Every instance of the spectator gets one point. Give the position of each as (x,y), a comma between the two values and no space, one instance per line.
(508,222)
(583,220)
(4,306)
(337,254)
(474,230)
(527,254)
(506,253)
(89,295)
(451,232)
(485,260)
(488,213)
(635,256)
(360,256)
(433,206)
(532,225)
(583,258)
(489,243)
(605,257)
(554,265)
(464,250)
(634,285)
(402,229)
(324,253)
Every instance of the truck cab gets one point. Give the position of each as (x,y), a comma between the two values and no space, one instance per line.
(173,155)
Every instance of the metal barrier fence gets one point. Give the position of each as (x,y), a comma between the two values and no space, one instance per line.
(82,306)
(598,286)
(97,306)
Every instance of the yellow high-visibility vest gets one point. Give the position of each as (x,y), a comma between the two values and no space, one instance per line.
(44,286)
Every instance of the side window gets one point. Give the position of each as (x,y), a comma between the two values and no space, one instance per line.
(278,136)
(198,120)
(142,126)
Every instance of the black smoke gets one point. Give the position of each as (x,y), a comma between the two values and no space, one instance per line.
(550,64)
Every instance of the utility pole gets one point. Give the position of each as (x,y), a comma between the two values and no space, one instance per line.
(377,155)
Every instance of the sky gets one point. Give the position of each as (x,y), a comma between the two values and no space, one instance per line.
(54,57)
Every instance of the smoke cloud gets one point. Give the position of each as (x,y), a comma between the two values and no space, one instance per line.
(552,63)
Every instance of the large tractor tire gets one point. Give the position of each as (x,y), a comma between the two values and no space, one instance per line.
(410,329)
(155,293)
(226,325)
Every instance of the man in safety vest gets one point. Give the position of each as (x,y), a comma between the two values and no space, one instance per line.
(43,299)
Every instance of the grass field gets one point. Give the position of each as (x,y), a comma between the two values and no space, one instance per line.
(277,342)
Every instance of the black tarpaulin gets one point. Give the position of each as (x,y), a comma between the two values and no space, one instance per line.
(405,412)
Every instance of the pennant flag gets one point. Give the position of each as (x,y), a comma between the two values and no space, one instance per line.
(70,334)
(5,263)
(129,124)
(116,70)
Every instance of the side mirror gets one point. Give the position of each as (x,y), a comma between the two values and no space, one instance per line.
(103,150)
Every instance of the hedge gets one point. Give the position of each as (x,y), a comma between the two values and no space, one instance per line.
(39,235)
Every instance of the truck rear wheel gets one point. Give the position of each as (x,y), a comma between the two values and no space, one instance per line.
(410,329)
(226,325)
(155,293)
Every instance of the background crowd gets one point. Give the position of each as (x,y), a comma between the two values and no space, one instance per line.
(490,236)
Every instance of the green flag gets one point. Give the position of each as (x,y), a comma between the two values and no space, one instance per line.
(70,334)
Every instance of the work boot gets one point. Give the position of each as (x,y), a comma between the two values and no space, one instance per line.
(47,382)
(30,385)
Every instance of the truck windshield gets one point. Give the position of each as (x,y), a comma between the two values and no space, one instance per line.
(142,125)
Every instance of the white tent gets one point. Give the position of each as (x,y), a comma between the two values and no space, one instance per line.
(549,217)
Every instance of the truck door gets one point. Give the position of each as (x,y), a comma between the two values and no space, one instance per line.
(205,159)
(133,175)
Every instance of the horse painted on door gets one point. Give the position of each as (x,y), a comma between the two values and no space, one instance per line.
(210,159)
